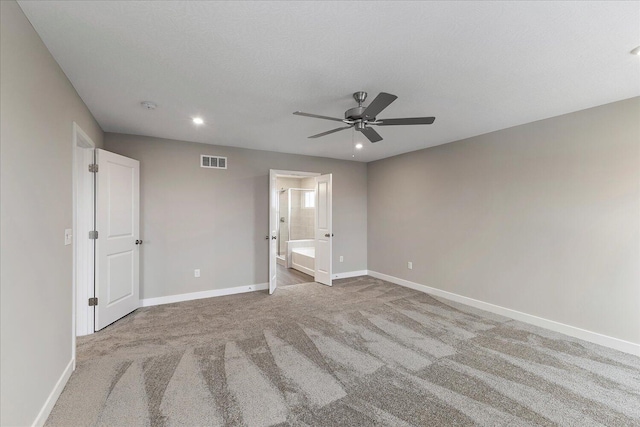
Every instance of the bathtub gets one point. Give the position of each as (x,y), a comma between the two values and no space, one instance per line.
(304,259)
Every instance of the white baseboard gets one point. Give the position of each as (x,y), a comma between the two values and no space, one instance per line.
(54,395)
(302,268)
(148,302)
(594,337)
(349,274)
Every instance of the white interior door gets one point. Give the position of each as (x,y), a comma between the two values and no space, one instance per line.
(273,230)
(323,229)
(117,249)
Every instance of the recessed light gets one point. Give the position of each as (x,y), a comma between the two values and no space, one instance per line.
(198,120)
(359,145)
(636,51)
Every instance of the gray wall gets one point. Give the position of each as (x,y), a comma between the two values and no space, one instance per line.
(541,218)
(37,108)
(217,220)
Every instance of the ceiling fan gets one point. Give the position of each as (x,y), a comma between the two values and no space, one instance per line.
(361,118)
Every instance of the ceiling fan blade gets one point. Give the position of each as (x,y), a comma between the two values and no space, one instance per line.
(381,102)
(316,116)
(371,134)
(330,131)
(406,121)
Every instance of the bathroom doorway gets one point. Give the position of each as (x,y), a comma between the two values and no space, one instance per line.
(294,214)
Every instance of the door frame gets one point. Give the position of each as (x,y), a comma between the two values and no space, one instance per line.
(83,197)
(273,174)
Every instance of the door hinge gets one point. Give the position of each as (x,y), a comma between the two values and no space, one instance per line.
(93,302)
(93,235)
(93,168)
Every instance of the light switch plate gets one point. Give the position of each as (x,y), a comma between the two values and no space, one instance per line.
(68,236)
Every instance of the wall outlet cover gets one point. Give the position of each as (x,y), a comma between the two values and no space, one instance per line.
(68,236)
(196,272)
(410,265)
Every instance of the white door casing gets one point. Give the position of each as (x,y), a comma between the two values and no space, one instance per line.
(83,250)
(83,222)
(323,229)
(273,230)
(117,250)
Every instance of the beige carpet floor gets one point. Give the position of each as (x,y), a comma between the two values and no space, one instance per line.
(362,353)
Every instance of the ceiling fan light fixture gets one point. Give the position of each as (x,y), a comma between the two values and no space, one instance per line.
(198,120)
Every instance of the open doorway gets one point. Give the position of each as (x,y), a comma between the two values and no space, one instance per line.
(299,220)
(295,256)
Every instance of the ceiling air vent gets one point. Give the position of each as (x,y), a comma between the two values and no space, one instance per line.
(213,162)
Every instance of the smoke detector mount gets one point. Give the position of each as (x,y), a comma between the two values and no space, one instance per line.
(149,105)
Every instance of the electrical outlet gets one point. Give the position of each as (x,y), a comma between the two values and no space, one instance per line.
(196,272)
(410,265)
(341,258)
(68,236)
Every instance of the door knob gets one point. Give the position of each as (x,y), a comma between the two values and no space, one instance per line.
(266,237)
(273,237)
(328,235)
(138,242)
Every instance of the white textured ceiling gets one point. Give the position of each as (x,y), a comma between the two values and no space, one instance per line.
(246,66)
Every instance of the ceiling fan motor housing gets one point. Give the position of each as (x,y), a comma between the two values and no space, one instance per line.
(356,113)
